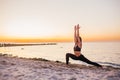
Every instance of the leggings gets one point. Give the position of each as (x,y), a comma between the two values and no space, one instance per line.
(82,58)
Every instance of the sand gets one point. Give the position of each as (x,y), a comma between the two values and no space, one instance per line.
(14,68)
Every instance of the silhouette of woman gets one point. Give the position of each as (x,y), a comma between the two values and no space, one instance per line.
(77,49)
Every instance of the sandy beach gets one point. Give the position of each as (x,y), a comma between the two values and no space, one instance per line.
(14,68)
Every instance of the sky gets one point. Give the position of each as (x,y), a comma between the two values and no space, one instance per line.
(54,20)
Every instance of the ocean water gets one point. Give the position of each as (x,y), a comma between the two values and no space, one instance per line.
(105,53)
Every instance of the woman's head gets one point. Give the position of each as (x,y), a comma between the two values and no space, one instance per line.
(80,39)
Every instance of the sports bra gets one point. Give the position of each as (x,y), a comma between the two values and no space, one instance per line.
(77,48)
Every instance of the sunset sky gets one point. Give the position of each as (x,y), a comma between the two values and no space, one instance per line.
(54,20)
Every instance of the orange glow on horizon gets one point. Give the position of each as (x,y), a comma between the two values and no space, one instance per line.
(58,39)
(101,38)
(22,40)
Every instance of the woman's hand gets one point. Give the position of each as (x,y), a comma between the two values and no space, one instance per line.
(78,27)
(75,27)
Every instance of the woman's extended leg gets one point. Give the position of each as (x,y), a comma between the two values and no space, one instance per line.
(84,59)
(71,56)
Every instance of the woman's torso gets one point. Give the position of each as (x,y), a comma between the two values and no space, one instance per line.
(77,49)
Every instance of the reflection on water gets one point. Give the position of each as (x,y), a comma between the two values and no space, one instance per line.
(95,51)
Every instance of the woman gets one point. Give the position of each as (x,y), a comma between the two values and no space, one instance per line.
(77,49)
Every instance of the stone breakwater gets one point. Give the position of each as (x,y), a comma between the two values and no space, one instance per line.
(24,44)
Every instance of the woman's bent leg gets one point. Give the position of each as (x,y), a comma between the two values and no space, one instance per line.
(71,56)
(84,59)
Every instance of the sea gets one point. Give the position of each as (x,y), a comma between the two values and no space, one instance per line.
(104,53)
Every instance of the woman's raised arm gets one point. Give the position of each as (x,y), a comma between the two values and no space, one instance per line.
(78,31)
(78,36)
(75,37)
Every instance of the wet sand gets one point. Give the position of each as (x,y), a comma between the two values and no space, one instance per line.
(14,68)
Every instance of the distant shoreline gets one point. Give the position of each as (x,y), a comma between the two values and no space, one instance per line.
(24,44)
